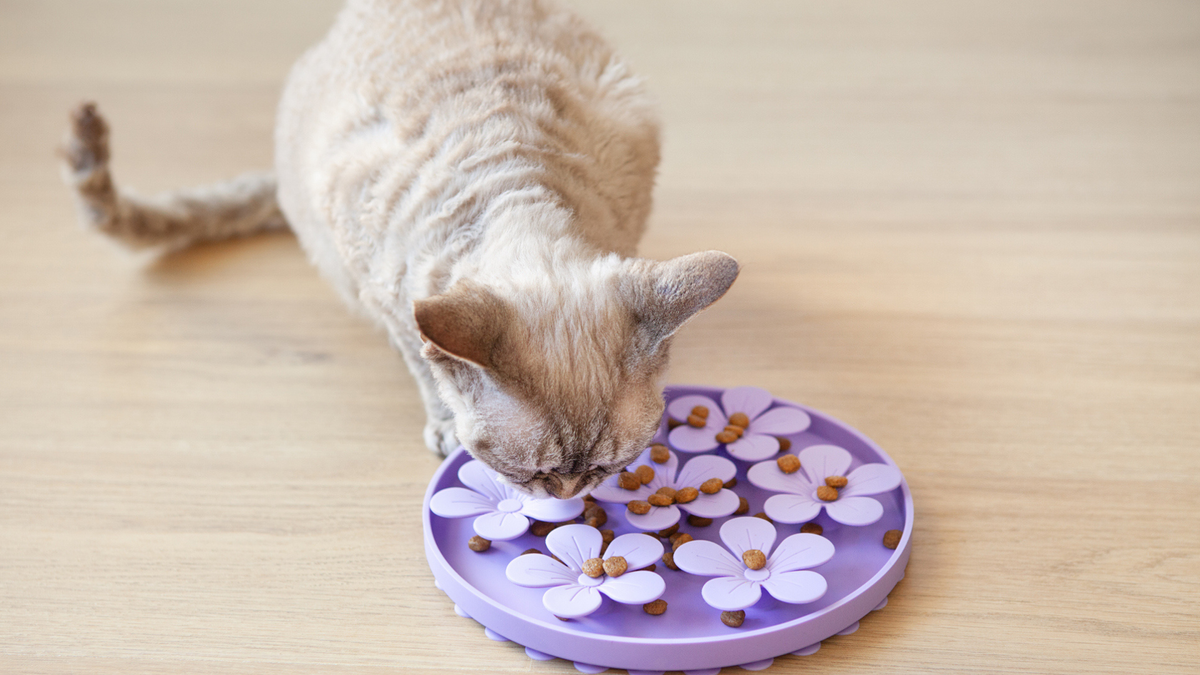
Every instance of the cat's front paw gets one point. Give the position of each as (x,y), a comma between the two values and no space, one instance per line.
(440,437)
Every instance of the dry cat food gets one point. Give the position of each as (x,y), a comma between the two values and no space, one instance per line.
(660,500)
(650,568)
(541,529)
(712,486)
(754,559)
(479,544)
(644,474)
(639,507)
(593,567)
(655,608)
(679,540)
(733,619)
(743,507)
(628,481)
(668,559)
(685,495)
(697,521)
(811,528)
(667,532)
(667,491)
(726,437)
(531,551)
(615,566)
(595,516)
(788,463)
(836,481)
(891,538)
(699,417)
(739,419)
(659,453)
(764,516)
(731,483)
(827,494)
(784,444)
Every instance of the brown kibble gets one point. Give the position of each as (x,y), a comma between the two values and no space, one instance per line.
(764,516)
(607,536)
(788,463)
(784,444)
(680,540)
(628,481)
(560,618)
(731,483)
(696,421)
(531,551)
(596,518)
(826,493)
(479,544)
(669,560)
(659,453)
(639,507)
(655,608)
(672,423)
(687,494)
(541,529)
(735,430)
(712,486)
(738,419)
(644,474)
(660,500)
(593,567)
(650,568)
(700,411)
(891,538)
(836,481)
(674,536)
(667,491)
(697,521)
(726,437)
(668,532)
(733,619)
(589,498)
(743,507)
(811,528)
(615,566)
(754,559)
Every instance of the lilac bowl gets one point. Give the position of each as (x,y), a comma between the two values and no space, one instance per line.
(690,636)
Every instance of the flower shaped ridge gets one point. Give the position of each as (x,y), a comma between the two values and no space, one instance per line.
(572,593)
(801,501)
(503,512)
(759,438)
(736,586)
(668,474)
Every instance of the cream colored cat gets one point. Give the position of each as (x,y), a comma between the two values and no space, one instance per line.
(473,175)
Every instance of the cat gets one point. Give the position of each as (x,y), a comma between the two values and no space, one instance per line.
(474,176)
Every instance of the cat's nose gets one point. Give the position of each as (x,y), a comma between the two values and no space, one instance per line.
(564,486)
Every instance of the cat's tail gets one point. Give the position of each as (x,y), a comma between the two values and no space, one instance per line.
(241,206)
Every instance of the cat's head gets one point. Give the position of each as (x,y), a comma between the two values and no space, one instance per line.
(555,378)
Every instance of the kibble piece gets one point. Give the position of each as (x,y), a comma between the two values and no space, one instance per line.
(667,491)
(650,568)
(764,516)
(655,608)
(672,423)
(628,481)
(589,498)
(784,444)
(639,507)
(697,521)
(743,507)
(615,566)
(891,538)
(754,559)
(788,463)
(666,533)
(479,544)
(827,494)
(696,421)
(644,474)
(660,500)
(836,481)
(733,619)
(731,483)
(593,567)
(712,486)
(659,453)
(726,437)
(596,519)
(669,560)
(680,541)
(700,411)
(739,419)
(811,528)
(735,430)
(541,529)
(687,494)
(530,551)
(607,536)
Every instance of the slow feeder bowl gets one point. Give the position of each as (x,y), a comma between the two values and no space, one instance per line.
(690,636)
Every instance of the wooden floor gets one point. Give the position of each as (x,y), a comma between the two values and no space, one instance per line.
(971,230)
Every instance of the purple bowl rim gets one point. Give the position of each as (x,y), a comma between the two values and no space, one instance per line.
(900,553)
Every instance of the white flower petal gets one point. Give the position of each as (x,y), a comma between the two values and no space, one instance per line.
(707,559)
(745,533)
(855,511)
(574,544)
(681,407)
(800,552)
(796,587)
(456,502)
(718,505)
(552,510)
(768,476)
(537,571)
(780,421)
(572,601)
(638,550)
(499,526)
(690,439)
(730,594)
(477,476)
(633,588)
(871,479)
(699,469)
(659,518)
(750,400)
(792,509)
(821,461)
(754,447)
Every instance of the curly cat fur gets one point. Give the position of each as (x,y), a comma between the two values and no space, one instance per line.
(474,176)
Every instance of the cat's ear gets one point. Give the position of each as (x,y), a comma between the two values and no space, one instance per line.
(664,295)
(466,322)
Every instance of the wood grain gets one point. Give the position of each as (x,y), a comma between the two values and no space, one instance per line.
(969,229)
